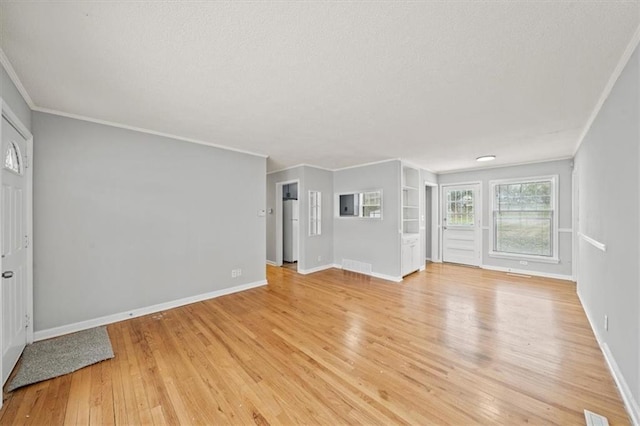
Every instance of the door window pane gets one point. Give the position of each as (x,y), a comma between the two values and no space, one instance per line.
(460,207)
(13,159)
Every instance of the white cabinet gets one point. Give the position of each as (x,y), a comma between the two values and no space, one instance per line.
(410,254)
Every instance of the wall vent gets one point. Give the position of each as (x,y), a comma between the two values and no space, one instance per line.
(594,419)
(356,266)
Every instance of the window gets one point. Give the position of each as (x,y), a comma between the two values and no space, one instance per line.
(371,204)
(13,159)
(315,213)
(367,204)
(525,217)
(460,211)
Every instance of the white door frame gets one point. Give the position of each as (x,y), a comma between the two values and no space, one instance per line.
(12,118)
(279,230)
(575,201)
(479,219)
(435,222)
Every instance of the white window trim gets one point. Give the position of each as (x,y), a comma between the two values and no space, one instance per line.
(554,198)
(336,205)
(318,219)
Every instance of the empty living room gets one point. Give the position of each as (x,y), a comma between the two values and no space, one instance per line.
(324,212)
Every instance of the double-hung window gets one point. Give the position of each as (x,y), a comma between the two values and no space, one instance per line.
(525,218)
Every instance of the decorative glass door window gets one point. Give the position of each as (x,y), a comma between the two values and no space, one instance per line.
(460,208)
(13,159)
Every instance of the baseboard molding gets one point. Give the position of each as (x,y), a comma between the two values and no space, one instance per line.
(527,272)
(316,269)
(374,274)
(110,319)
(629,402)
(271,262)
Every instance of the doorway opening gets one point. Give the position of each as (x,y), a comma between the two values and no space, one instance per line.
(431,228)
(287,224)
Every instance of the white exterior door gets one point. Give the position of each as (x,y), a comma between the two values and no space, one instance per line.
(14,247)
(461,224)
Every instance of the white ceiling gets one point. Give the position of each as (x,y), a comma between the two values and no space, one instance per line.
(331,84)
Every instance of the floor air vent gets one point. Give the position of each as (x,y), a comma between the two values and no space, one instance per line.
(355,266)
(594,419)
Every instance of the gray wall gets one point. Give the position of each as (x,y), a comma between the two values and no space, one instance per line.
(321,245)
(311,179)
(125,220)
(560,168)
(369,240)
(13,98)
(608,180)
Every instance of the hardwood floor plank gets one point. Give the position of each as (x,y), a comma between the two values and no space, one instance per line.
(450,345)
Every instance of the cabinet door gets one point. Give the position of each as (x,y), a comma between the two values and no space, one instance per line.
(406,259)
(415,257)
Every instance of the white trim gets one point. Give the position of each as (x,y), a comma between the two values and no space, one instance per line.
(555,198)
(299,165)
(627,396)
(528,272)
(622,63)
(530,258)
(436,253)
(316,269)
(271,262)
(13,76)
(501,166)
(110,319)
(143,130)
(565,230)
(597,244)
(373,163)
(374,274)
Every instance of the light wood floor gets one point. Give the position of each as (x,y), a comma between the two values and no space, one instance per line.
(451,345)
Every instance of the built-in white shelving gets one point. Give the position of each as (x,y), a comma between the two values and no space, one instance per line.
(410,219)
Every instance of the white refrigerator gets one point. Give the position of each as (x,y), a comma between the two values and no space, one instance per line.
(290,230)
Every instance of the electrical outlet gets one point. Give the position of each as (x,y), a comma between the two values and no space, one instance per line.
(234,273)
(606,322)
(238,272)
(524,262)
(319,258)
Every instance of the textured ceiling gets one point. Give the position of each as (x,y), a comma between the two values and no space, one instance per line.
(329,83)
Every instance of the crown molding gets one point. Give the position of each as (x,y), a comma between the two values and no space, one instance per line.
(622,63)
(143,130)
(15,79)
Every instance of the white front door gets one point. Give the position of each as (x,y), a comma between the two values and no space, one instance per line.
(14,244)
(461,224)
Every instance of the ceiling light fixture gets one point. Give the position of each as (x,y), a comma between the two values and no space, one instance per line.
(486,158)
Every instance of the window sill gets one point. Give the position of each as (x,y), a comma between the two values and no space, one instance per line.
(539,259)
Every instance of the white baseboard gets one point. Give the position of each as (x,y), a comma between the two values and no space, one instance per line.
(109,319)
(271,262)
(629,402)
(527,272)
(375,275)
(316,269)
